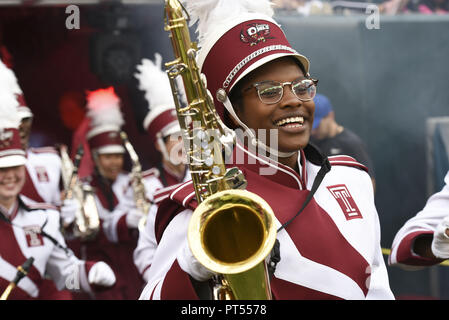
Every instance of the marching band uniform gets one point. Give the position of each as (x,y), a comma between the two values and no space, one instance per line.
(117,237)
(43,170)
(331,250)
(33,230)
(160,123)
(431,221)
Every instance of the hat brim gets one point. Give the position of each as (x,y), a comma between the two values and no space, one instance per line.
(12,161)
(110,149)
(302,59)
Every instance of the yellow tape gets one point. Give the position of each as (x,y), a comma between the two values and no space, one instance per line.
(388,251)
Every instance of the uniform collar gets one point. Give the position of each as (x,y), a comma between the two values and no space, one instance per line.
(173,176)
(11,212)
(247,159)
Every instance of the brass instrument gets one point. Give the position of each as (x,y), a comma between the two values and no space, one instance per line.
(232,231)
(140,198)
(22,271)
(87,221)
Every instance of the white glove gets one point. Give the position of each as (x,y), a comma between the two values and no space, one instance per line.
(133,217)
(191,265)
(101,274)
(440,242)
(68,210)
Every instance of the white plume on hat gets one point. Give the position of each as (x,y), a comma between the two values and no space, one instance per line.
(9,89)
(212,14)
(104,111)
(11,154)
(156,85)
(154,82)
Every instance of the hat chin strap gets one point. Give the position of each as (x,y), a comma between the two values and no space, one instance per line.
(254,141)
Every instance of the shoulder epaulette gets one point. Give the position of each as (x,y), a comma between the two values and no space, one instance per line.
(346,161)
(151,172)
(182,193)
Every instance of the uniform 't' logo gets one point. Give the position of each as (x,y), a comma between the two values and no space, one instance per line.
(346,201)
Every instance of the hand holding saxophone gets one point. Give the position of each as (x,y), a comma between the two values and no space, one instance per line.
(191,265)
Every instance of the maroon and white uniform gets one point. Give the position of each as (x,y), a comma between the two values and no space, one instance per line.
(115,241)
(43,170)
(424,222)
(42,185)
(330,251)
(20,242)
(156,191)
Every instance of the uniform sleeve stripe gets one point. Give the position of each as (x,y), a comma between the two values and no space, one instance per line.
(160,199)
(164,191)
(343,158)
(349,164)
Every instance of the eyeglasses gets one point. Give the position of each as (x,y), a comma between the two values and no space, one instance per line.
(271,92)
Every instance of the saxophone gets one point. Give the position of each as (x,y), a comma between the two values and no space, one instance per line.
(136,181)
(87,221)
(232,230)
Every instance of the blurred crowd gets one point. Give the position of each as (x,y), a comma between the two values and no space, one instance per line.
(348,7)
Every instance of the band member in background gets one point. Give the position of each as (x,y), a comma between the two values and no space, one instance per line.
(326,221)
(33,230)
(43,167)
(162,126)
(119,216)
(424,239)
(42,183)
(161,122)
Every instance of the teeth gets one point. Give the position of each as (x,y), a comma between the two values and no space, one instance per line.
(282,122)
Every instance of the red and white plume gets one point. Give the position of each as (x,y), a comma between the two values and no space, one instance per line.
(103,108)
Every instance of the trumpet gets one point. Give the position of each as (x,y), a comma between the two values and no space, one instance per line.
(136,181)
(22,271)
(87,221)
(232,230)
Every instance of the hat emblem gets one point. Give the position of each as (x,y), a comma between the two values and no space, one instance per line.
(5,138)
(255,33)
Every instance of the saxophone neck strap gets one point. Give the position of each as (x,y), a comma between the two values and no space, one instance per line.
(325,168)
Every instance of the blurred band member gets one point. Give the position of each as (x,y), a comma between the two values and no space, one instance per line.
(119,217)
(32,230)
(162,126)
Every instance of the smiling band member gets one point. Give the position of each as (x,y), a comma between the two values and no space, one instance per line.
(331,250)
